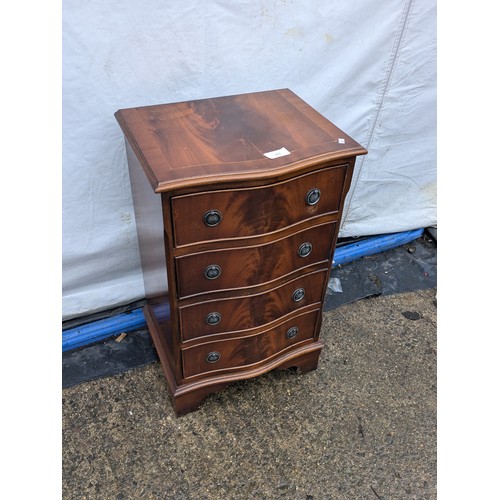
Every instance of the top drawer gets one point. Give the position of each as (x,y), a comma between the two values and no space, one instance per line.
(240,213)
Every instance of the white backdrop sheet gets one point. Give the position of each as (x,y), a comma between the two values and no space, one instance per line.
(369,67)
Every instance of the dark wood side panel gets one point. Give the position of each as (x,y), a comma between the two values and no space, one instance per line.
(236,353)
(252,311)
(253,265)
(256,211)
(149,223)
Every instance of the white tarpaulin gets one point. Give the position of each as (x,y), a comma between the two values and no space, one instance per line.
(369,67)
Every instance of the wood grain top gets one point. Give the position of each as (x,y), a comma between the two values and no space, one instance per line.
(224,138)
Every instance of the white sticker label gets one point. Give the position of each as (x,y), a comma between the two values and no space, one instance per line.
(341,141)
(277,154)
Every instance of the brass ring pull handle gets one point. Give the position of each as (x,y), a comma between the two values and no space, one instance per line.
(313,196)
(212,272)
(298,295)
(212,218)
(213,357)
(305,249)
(213,318)
(292,332)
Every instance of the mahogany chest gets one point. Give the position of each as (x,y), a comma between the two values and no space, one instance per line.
(238,202)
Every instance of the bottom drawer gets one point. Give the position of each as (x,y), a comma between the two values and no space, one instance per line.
(243,351)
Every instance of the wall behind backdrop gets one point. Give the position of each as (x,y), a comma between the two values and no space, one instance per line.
(369,67)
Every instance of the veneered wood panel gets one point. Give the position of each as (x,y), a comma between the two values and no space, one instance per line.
(256,211)
(210,140)
(248,266)
(149,223)
(240,352)
(250,311)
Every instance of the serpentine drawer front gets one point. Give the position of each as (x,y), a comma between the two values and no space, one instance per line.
(254,211)
(238,202)
(248,266)
(250,311)
(233,353)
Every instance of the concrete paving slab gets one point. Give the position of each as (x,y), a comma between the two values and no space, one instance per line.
(362,426)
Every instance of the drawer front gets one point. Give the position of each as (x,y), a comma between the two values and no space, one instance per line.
(250,266)
(241,352)
(248,212)
(247,312)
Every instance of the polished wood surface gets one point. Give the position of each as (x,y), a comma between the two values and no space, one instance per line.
(256,211)
(207,199)
(248,266)
(149,224)
(250,311)
(210,140)
(240,352)
(187,397)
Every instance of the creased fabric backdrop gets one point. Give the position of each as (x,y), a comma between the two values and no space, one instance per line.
(369,67)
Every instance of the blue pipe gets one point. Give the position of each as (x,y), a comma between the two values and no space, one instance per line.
(102,329)
(374,245)
(109,327)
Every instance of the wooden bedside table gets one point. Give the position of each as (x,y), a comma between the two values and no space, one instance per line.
(238,202)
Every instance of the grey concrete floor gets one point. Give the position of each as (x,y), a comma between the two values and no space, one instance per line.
(362,426)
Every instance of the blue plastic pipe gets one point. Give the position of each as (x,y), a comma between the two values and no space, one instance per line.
(102,329)
(109,327)
(374,245)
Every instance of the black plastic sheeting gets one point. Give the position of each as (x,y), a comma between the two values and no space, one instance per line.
(107,358)
(407,268)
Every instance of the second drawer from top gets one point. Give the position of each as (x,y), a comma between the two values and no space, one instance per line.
(249,266)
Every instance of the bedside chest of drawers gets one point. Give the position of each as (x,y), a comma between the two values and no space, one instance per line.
(238,202)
